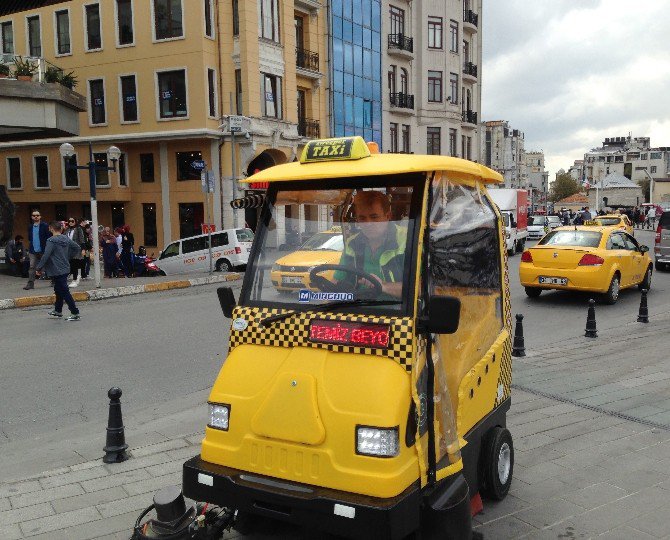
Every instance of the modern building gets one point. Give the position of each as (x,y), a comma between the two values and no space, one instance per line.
(161,78)
(535,178)
(432,58)
(503,150)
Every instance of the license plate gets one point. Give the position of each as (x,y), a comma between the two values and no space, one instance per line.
(291,280)
(553,280)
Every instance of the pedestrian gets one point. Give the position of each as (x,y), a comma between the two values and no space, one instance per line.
(38,233)
(58,252)
(109,251)
(75,233)
(651,217)
(127,251)
(88,247)
(586,214)
(16,256)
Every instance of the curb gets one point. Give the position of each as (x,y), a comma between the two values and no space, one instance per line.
(115,292)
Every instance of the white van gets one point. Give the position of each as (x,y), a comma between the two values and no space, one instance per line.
(230,249)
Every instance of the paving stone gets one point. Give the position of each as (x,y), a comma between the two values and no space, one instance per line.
(160,447)
(85,465)
(541,454)
(23,514)
(114,480)
(36,497)
(549,513)
(10,532)
(595,495)
(496,509)
(539,472)
(138,463)
(89,499)
(7,490)
(656,523)
(72,477)
(635,479)
(195,439)
(166,468)
(561,531)
(531,441)
(547,489)
(4,504)
(625,533)
(122,506)
(184,453)
(524,418)
(505,528)
(53,523)
(153,484)
(658,452)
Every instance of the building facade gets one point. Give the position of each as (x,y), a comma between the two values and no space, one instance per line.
(503,150)
(161,78)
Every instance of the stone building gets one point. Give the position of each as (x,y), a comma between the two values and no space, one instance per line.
(615,191)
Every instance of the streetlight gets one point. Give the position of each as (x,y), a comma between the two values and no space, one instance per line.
(651,186)
(113,154)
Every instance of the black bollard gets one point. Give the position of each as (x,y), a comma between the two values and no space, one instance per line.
(518,347)
(115,448)
(591,320)
(643,315)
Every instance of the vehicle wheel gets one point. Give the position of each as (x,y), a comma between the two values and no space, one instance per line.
(497,463)
(660,266)
(223,265)
(646,282)
(520,246)
(533,292)
(161,273)
(612,294)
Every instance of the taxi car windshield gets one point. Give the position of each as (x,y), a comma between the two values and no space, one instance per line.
(576,238)
(325,240)
(608,221)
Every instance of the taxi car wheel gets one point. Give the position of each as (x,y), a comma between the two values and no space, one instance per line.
(533,292)
(223,265)
(497,461)
(612,294)
(646,282)
(660,266)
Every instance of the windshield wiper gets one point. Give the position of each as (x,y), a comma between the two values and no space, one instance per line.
(327,307)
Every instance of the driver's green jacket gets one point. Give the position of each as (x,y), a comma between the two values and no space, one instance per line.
(387,263)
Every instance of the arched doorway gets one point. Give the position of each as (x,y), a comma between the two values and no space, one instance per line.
(267,158)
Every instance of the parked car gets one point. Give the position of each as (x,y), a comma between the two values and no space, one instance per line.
(536,225)
(662,243)
(230,250)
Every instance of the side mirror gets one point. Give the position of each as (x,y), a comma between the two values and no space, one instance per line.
(644,249)
(445,314)
(226,300)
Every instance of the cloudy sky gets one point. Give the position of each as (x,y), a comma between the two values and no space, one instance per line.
(569,73)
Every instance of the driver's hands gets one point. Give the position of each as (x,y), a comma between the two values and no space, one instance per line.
(367,284)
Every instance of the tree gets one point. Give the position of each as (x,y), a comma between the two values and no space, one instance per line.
(564,186)
(644,184)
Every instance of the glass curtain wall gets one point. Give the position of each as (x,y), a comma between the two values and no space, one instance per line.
(356,69)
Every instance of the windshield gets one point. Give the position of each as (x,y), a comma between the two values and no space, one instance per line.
(537,220)
(572,238)
(333,241)
(608,221)
(245,235)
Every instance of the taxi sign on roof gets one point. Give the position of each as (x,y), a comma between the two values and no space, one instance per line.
(592,223)
(341,148)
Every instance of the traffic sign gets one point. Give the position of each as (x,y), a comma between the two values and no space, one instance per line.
(198,164)
(208,228)
(235,124)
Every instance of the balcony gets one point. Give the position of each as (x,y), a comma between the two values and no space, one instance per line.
(307,63)
(401,45)
(470,20)
(470,72)
(309,128)
(402,101)
(469,117)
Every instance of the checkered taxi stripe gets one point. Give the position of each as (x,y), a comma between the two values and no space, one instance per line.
(505,378)
(294,332)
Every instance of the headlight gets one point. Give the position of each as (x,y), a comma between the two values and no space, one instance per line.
(219,415)
(275,268)
(380,442)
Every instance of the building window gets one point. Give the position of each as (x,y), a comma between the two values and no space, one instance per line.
(63,32)
(643,156)
(397,21)
(468,148)
(238,91)
(405,141)
(433,135)
(149,219)
(41,165)
(655,155)
(168,19)
(14,173)
(124,22)
(184,169)
(434,32)
(271,95)
(70,173)
(147,167)
(96,92)
(129,98)
(453,31)
(453,87)
(434,86)
(653,169)
(211,92)
(268,22)
(101,175)
(392,78)
(60,212)
(404,88)
(209,20)
(394,137)
(236,18)
(93,31)
(34,36)
(7,38)
(172,94)
(452,142)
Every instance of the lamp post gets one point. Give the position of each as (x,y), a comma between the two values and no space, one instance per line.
(113,154)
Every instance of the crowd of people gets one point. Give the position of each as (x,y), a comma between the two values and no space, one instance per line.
(640,216)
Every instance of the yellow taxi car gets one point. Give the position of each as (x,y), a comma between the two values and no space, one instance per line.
(586,258)
(291,272)
(614,220)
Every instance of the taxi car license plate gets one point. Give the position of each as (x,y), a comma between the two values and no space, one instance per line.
(553,280)
(291,280)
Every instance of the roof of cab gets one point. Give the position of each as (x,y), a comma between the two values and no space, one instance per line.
(375,165)
(596,228)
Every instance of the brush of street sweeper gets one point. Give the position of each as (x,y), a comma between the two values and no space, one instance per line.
(176,521)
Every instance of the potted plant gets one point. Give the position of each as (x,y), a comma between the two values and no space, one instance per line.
(4,71)
(68,80)
(52,74)
(24,69)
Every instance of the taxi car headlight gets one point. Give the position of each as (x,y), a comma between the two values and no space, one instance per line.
(219,416)
(275,268)
(378,442)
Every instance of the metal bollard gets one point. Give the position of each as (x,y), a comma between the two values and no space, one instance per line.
(115,447)
(643,314)
(518,347)
(591,320)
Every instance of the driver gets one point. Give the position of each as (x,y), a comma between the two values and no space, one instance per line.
(378,249)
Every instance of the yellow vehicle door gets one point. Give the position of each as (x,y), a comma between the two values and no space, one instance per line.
(620,256)
(637,259)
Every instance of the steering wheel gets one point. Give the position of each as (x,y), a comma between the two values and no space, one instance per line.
(326,285)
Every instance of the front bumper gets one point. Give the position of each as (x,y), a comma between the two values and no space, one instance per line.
(344,514)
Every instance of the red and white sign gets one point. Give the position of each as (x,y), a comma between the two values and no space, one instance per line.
(208,227)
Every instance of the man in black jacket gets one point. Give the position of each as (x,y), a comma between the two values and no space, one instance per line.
(38,233)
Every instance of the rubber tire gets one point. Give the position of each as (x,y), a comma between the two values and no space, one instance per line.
(608,296)
(646,282)
(490,484)
(520,246)
(533,292)
(161,273)
(223,265)
(660,266)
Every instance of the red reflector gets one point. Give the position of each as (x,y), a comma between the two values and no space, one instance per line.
(657,240)
(526,257)
(238,250)
(591,260)
(375,336)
